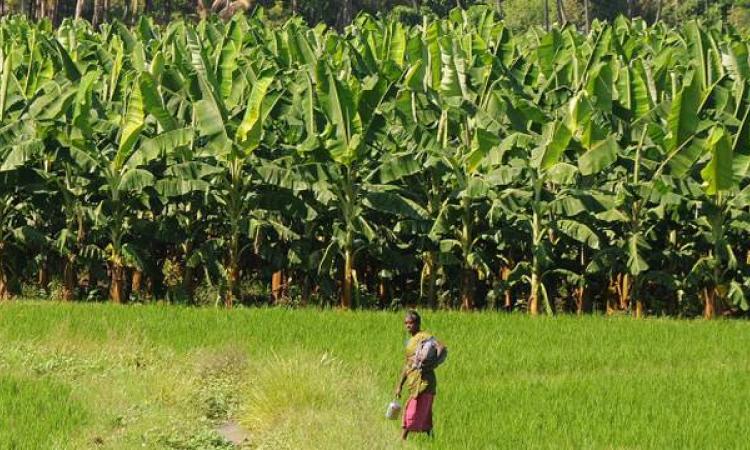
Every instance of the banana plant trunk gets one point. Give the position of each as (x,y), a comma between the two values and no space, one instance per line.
(468,281)
(580,292)
(306,287)
(624,291)
(188,284)
(431,257)
(233,270)
(712,297)
(507,295)
(117,270)
(4,290)
(536,240)
(382,292)
(468,275)
(430,274)
(709,303)
(580,299)
(346,288)
(610,293)
(117,283)
(277,285)
(640,308)
(70,272)
(70,280)
(4,293)
(637,295)
(136,282)
(43,275)
(235,213)
(534,297)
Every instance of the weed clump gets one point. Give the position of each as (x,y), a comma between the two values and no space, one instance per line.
(219,375)
(201,440)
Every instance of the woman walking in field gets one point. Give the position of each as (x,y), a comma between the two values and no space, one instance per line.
(423,354)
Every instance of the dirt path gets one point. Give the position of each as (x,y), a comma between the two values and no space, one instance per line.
(232,432)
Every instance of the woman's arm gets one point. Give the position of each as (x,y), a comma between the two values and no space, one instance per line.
(400,385)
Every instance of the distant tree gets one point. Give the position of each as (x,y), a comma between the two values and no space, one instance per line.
(96,20)
(346,14)
(442,7)
(587,13)
(522,14)
(228,8)
(739,15)
(408,15)
(518,14)
(561,19)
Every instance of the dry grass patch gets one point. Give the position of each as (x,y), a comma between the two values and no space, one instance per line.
(306,400)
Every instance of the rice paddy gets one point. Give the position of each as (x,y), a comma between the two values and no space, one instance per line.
(102,376)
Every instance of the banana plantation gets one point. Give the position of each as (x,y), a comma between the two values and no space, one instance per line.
(451,164)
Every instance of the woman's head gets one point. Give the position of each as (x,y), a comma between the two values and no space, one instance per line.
(412,322)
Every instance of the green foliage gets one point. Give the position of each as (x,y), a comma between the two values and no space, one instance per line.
(389,161)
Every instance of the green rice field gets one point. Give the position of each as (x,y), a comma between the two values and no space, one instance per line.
(101,376)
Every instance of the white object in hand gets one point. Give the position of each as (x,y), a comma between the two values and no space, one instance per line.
(393,410)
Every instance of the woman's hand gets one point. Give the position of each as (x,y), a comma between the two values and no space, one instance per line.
(398,392)
(440,348)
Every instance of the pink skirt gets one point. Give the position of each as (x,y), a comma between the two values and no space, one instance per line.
(418,413)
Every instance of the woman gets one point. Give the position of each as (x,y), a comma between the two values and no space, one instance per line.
(419,376)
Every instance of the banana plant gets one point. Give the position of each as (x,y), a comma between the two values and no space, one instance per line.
(232,130)
(17,236)
(65,179)
(124,186)
(576,126)
(351,110)
(717,268)
(542,166)
(453,90)
(188,212)
(22,140)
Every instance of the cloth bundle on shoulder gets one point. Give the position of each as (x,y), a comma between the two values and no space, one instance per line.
(427,355)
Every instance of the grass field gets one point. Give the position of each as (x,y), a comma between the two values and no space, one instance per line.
(100,376)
